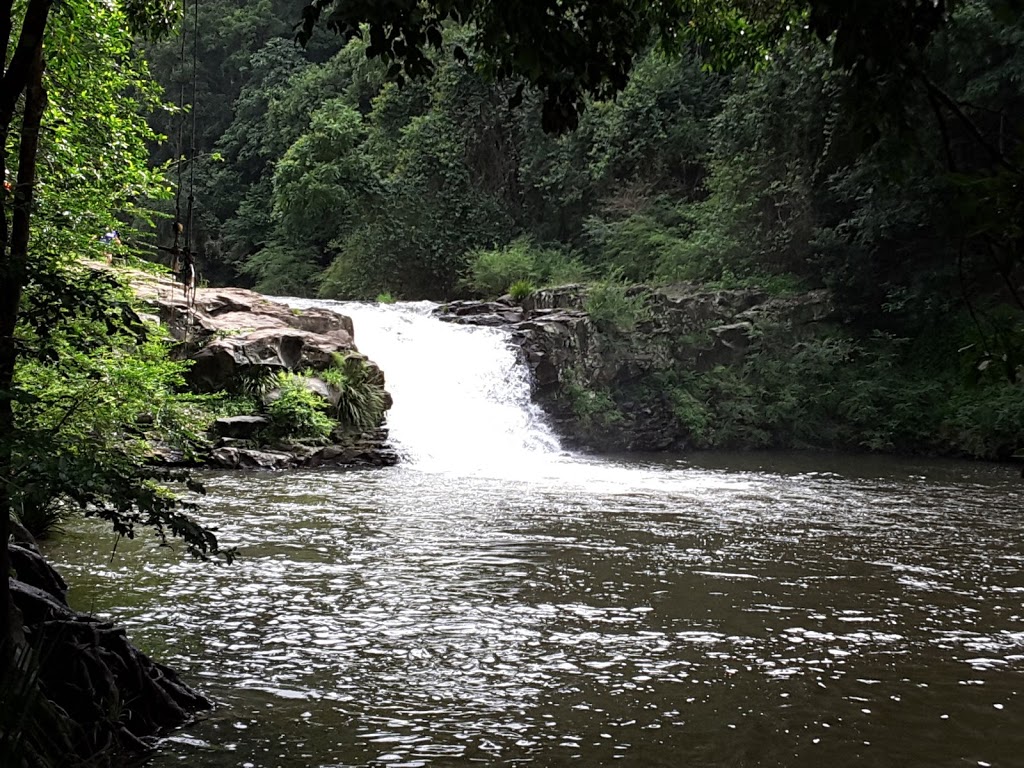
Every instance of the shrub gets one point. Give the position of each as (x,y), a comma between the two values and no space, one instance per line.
(385,298)
(635,246)
(282,270)
(43,519)
(594,408)
(252,382)
(554,267)
(612,307)
(362,398)
(491,272)
(692,414)
(298,412)
(494,272)
(785,284)
(986,422)
(520,289)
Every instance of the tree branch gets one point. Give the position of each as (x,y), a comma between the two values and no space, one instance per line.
(13,269)
(6,23)
(950,103)
(16,78)
(28,150)
(1005,269)
(947,144)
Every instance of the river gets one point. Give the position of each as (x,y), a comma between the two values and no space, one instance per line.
(495,600)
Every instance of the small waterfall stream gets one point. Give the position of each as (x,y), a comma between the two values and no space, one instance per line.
(462,406)
(461,396)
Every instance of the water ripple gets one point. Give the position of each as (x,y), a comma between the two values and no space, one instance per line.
(691,615)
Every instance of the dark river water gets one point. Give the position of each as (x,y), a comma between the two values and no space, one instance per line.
(479,606)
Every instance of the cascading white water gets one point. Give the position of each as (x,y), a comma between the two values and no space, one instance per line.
(461,397)
(462,406)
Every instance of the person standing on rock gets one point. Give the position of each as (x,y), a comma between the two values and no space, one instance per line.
(187,275)
(183,265)
(110,239)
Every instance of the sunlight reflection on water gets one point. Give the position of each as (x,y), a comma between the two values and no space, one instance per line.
(651,614)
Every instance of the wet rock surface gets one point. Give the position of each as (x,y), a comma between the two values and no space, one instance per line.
(369,450)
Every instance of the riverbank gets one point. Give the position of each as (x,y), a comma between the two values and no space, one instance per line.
(683,368)
(75,690)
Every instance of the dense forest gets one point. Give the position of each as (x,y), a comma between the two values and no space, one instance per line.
(317,174)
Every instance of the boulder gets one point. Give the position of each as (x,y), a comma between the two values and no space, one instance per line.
(33,570)
(239,427)
(230,310)
(160,453)
(230,457)
(495,314)
(234,333)
(562,297)
(223,359)
(360,453)
(328,392)
(83,666)
(370,449)
(729,344)
(237,340)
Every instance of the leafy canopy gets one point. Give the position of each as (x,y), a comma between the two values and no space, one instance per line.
(93,385)
(575,50)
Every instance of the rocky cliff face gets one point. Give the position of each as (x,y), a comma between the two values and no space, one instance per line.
(234,336)
(605,386)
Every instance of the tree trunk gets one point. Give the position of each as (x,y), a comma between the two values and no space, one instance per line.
(10,296)
(14,260)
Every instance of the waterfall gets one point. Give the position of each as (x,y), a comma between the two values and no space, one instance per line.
(461,395)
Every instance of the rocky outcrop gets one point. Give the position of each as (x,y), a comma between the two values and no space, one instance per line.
(229,332)
(239,427)
(96,695)
(601,385)
(237,339)
(368,450)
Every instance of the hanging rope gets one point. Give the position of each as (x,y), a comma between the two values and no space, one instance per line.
(195,110)
(182,255)
(189,266)
(175,247)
